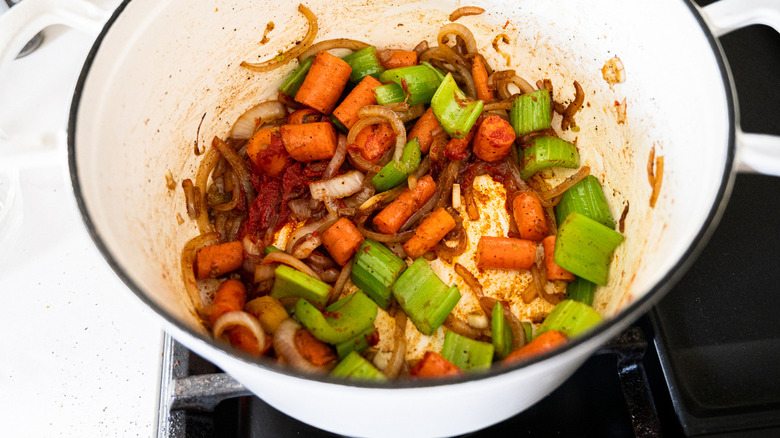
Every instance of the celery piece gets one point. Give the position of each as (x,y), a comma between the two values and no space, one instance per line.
(502,332)
(292,282)
(586,197)
(418,81)
(364,63)
(438,72)
(548,151)
(528,328)
(342,321)
(584,247)
(359,343)
(356,367)
(396,172)
(374,270)
(337,123)
(573,318)
(581,290)
(270,248)
(293,82)
(456,113)
(466,353)
(531,112)
(424,297)
(390,93)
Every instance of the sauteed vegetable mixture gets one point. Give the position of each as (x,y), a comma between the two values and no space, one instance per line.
(327,208)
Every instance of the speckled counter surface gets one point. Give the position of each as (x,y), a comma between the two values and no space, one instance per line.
(79,354)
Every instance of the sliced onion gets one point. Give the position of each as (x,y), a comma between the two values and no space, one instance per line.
(192,198)
(398,357)
(385,196)
(330,275)
(464,11)
(420,48)
(317,259)
(385,238)
(469,278)
(337,187)
(284,58)
(300,208)
(188,268)
(338,158)
(529,293)
(209,162)
(456,196)
(289,260)
(395,123)
(566,184)
(459,30)
(336,43)
(461,327)
(341,281)
(659,177)
(284,346)
(411,113)
(360,125)
(307,245)
(243,319)
(500,105)
(319,225)
(263,273)
(251,247)
(230,205)
(361,163)
(518,332)
(448,253)
(254,117)
(239,167)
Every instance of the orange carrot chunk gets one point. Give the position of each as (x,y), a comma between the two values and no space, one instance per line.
(373,141)
(392,218)
(312,349)
(231,297)
(324,83)
(430,231)
(310,141)
(215,260)
(543,343)
(266,150)
(434,365)
(342,240)
(529,216)
(554,272)
(305,115)
(424,129)
(360,96)
(505,253)
(397,58)
(494,139)
(479,73)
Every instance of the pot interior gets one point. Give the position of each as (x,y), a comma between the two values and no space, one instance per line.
(166,79)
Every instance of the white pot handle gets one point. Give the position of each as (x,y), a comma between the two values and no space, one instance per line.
(756,152)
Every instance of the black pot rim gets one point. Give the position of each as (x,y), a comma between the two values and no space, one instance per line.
(630,313)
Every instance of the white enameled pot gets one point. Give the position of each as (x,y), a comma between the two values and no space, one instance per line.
(162,71)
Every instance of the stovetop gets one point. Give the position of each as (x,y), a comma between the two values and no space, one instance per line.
(704,362)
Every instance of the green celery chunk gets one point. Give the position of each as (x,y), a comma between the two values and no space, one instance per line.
(374,270)
(438,72)
(531,112)
(359,343)
(293,82)
(581,290)
(573,318)
(292,282)
(586,197)
(584,247)
(396,172)
(340,126)
(356,367)
(548,151)
(270,248)
(424,297)
(529,331)
(468,354)
(389,93)
(342,321)
(453,110)
(418,81)
(364,63)
(502,332)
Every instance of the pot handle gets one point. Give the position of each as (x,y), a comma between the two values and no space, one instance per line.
(756,152)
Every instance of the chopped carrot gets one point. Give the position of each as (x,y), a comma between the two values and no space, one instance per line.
(342,240)
(397,58)
(392,218)
(310,141)
(230,297)
(458,148)
(373,141)
(312,349)
(435,365)
(266,150)
(543,343)
(305,115)
(215,260)
(360,96)
(494,139)
(424,129)
(529,216)
(430,231)
(324,83)
(554,272)
(505,253)
(479,73)
(243,339)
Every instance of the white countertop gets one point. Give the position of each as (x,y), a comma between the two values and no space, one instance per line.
(80,354)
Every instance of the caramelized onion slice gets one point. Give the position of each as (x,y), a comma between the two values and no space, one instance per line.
(336,43)
(289,260)
(188,268)
(243,319)
(284,346)
(459,30)
(284,58)
(464,11)
(257,116)
(395,122)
